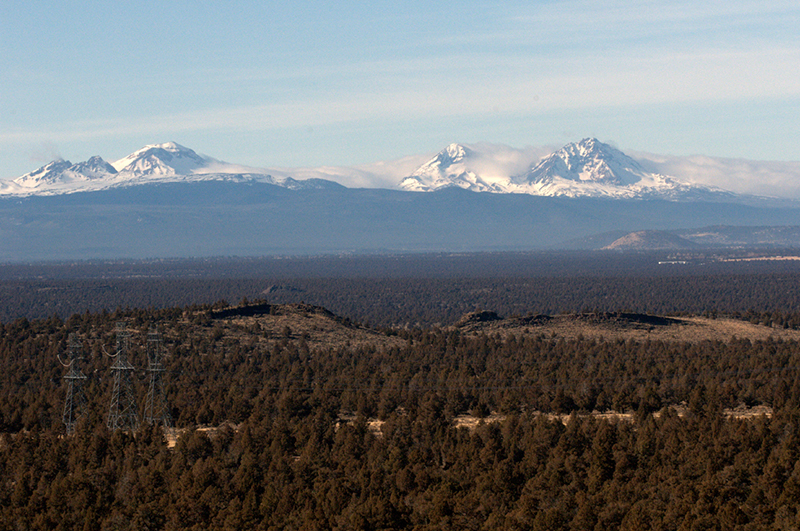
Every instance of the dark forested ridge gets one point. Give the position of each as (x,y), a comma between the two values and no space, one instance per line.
(216,218)
(322,423)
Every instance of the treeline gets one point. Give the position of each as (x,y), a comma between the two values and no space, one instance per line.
(416,290)
(423,302)
(422,265)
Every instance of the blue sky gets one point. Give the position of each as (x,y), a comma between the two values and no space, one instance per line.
(313,83)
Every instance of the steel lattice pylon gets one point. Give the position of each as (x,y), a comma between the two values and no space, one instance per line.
(155,406)
(75,401)
(122,412)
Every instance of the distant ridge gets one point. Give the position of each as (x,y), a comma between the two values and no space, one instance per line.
(709,237)
(249,218)
(650,240)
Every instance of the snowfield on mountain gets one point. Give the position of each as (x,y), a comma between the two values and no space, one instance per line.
(588,168)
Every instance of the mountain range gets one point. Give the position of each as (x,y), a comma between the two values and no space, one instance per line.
(166,200)
(156,163)
(588,168)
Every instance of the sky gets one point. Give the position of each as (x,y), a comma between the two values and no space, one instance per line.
(278,84)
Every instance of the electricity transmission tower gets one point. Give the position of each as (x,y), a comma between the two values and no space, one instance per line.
(122,413)
(155,406)
(75,402)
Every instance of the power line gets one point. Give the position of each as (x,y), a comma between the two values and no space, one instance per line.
(122,411)
(75,401)
(155,407)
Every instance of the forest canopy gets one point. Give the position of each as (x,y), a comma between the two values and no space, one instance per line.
(278,431)
(404,392)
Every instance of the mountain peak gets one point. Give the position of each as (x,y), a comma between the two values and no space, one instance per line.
(172,146)
(591,147)
(589,168)
(452,154)
(61,172)
(451,167)
(154,163)
(590,144)
(47,174)
(169,158)
(94,167)
(586,161)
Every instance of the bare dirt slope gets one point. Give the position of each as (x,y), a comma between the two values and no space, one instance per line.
(623,326)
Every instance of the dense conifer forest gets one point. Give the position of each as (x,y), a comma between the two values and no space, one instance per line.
(275,430)
(394,412)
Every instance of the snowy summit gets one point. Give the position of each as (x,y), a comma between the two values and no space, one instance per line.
(454,166)
(155,163)
(162,160)
(588,168)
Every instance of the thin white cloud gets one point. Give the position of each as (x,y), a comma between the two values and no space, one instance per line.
(522,62)
(652,16)
(523,86)
(498,160)
(765,178)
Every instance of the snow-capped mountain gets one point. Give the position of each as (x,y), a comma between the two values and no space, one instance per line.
(168,201)
(62,173)
(593,169)
(162,159)
(94,168)
(588,168)
(586,161)
(453,166)
(156,163)
(48,174)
